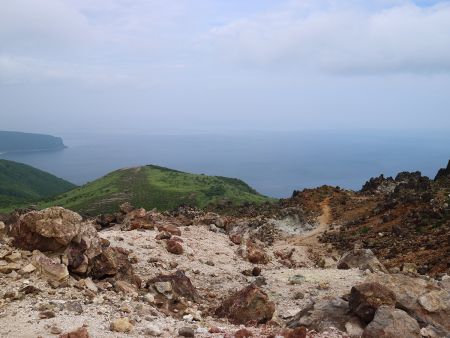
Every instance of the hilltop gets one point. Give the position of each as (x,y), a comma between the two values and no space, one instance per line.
(11,141)
(21,183)
(155,187)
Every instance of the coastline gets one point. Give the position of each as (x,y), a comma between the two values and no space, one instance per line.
(21,151)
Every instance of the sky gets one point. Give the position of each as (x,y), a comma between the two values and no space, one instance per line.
(224,65)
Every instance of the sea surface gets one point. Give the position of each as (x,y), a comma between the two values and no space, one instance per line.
(273,163)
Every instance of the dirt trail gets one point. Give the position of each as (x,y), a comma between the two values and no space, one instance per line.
(311,238)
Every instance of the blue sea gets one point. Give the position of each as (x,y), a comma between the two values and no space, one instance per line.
(274,163)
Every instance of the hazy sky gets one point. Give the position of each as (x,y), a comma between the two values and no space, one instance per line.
(164,65)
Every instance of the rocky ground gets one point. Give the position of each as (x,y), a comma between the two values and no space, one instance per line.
(301,268)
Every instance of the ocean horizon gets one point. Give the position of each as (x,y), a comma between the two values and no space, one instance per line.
(275,164)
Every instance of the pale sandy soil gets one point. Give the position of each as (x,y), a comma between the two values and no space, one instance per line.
(212,263)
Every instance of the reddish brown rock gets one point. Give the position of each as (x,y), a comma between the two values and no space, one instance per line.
(366,298)
(250,304)
(174,247)
(50,229)
(114,262)
(180,285)
(236,238)
(170,228)
(137,219)
(81,332)
(255,254)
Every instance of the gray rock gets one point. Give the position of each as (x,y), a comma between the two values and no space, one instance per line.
(392,323)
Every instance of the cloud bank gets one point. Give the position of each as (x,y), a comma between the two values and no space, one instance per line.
(341,39)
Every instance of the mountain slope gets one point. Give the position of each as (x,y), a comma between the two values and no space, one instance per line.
(154,187)
(20,183)
(11,141)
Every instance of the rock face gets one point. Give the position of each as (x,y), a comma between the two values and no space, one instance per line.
(250,304)
(366,298)
(421,299)
(361,258)
(51,229)
(392,323)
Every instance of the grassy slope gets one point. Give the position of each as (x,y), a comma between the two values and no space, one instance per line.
(20,183)
(154,187)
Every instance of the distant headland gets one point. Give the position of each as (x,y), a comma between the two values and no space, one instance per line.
(11,141)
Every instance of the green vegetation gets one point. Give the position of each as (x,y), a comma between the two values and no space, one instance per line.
(11,141)
(154,187)
(20,183)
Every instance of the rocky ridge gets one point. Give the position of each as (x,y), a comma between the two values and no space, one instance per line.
(293,269)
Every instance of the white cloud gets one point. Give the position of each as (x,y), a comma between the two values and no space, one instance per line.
(341,39)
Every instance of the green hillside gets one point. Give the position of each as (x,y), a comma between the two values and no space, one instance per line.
(20,183)
(154,187)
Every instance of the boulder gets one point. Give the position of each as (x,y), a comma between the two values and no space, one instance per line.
(256,254)
(174,247)
(366,298)
(392,323)
(363,259)
(324,314)
(114,262)
(422,299)
(250,304)
(177,283)
(50,229)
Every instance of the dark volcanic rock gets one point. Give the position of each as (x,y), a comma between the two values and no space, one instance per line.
(443,172)
(250,304)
